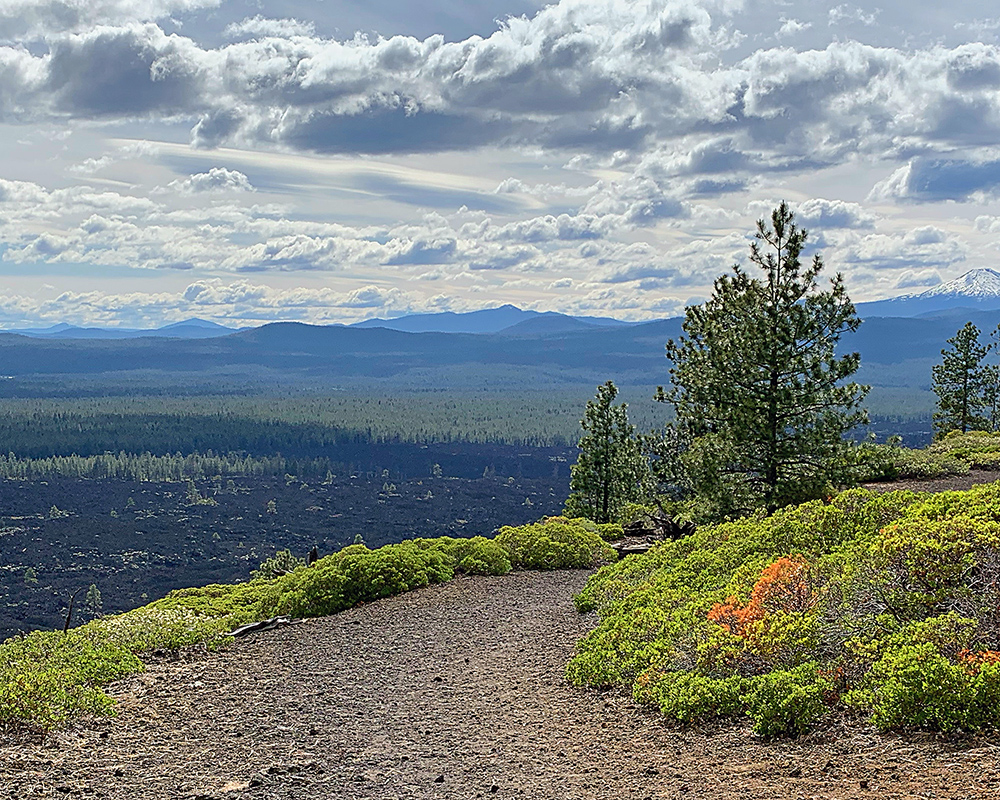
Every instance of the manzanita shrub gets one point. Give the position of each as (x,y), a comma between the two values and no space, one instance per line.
(559,543)
(48,678)
(888,604)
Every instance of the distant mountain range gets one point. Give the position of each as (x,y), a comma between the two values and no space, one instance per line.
(188,329)
(541,350)
(976,290)
(489,320)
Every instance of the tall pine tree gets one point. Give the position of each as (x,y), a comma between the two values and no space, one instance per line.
(610,471)
(756,381)
(961,381)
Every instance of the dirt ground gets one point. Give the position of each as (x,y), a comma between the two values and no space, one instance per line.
(454,691)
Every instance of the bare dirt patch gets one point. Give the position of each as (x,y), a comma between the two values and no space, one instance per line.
(454,691)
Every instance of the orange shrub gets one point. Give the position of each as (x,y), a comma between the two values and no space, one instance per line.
(783,586)
(975,660)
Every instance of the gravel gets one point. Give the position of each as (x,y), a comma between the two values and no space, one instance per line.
(453,691)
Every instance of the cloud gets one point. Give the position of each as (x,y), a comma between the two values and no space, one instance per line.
(596,78)
(217,179)
(569,77)
(987,224)
(918,279)
(924,247)
(845,14)
(264,27)
(123,72)
(790,27)
(820,213)
(424,251)
(35,18)
(932,180)
(237,303)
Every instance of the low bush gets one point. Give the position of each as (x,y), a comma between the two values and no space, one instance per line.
(917,464)
(556,543)
(886,604)
(786,702)
(688,697)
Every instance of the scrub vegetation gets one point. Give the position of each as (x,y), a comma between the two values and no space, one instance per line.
(884,604)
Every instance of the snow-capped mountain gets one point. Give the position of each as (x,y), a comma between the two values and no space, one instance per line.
(977,289)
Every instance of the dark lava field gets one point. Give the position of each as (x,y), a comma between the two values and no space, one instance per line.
(136,541)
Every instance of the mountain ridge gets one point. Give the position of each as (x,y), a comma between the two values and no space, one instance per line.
(975,290)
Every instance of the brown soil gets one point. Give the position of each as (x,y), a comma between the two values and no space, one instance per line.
(454,691)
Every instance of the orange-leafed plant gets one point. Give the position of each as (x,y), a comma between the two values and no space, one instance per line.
(974,660)
(783,586)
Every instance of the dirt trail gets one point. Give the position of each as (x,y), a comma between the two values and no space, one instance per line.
(454,691)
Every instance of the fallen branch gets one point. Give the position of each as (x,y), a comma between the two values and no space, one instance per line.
(263,625)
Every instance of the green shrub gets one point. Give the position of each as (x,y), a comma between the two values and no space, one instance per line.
(555,543)
(917,687)
(47,679)
(919,464)
(990,460)
(475,556)
(886,603)
(356,575)
(787,702)
(688,697)
(986,696)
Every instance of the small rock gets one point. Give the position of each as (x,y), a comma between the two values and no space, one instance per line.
(119,772)
(439,779)
(313,732)
(795,772)
(651,771)
(863,784)
(494,789)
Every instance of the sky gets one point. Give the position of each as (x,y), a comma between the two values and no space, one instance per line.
(246,161)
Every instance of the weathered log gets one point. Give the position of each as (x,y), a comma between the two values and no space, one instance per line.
(633,549)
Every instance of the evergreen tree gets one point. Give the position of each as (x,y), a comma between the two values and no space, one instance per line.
(962,382)
(93,599)
(611,470)
(757,385)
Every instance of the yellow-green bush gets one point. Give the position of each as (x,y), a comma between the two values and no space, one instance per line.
(885,603)
(953,454)
(556,543)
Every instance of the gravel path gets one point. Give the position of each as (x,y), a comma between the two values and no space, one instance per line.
(454,691)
